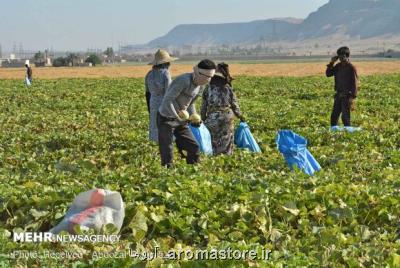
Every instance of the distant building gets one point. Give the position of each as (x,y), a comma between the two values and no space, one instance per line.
(79,62)
(47,62)
(12,63)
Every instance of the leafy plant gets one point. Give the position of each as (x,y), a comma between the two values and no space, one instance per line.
(61,137)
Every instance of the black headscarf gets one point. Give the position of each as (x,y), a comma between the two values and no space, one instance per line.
(223,68)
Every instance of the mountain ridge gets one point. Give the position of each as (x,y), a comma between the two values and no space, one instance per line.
(360,19)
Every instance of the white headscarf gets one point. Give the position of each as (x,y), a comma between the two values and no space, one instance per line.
(203,74)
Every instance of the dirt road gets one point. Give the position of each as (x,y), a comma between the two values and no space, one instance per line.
(272,69)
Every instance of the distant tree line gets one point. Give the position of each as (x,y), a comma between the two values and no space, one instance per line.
(390,53)
(72,59)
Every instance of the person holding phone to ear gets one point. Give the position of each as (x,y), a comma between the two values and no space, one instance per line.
(346,86)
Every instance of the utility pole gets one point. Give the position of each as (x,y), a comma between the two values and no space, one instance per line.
(15,49)
(21,51)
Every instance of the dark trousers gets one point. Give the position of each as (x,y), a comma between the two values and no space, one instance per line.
(167,128)
(148,95)
(341,105)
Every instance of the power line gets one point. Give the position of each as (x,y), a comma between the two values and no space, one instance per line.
(21,51)
(15,49)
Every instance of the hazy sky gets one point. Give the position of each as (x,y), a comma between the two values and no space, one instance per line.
(82,24)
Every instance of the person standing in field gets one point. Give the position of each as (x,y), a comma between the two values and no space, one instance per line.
(218,110)
(157,81)
(346,86)
(28,72)
(173,115)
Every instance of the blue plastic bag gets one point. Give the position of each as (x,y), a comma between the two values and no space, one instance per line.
(203,138)
(294,149)
(27,81)
(349,129)
(244,138)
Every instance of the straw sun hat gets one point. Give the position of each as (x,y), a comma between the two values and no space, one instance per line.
(161,57)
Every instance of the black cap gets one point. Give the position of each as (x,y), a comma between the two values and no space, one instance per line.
(343,51)
(207,64)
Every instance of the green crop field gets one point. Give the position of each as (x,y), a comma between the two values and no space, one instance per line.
(62,137)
